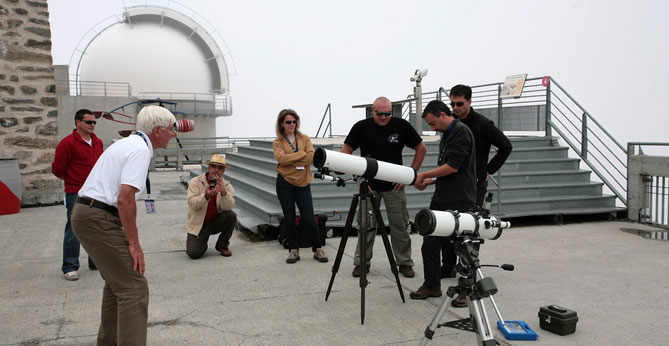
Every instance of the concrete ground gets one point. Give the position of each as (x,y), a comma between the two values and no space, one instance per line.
(615,280)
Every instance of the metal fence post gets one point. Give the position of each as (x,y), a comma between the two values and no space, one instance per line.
(500,114)
(584,136)
(549,131)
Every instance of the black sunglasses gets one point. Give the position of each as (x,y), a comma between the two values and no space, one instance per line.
(459,104)
(381,114)
(90,122)
(290,122)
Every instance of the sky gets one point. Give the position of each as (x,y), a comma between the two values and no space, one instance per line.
(303,54)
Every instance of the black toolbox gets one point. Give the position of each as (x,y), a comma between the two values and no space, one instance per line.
(557,319)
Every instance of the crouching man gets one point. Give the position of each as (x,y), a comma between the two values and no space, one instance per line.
(210,201)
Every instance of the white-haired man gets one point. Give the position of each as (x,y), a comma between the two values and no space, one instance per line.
(104,220)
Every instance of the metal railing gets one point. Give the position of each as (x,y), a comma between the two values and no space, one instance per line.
(94,88)
(328,126)
(546,108)
(651,204)
(208,103)
(603,154)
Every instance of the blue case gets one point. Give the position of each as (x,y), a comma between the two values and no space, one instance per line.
(517,330)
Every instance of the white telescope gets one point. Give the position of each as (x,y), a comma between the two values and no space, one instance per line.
(365,167)
(446,223)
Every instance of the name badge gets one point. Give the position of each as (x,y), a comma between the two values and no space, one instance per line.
(299,167)
(150,205)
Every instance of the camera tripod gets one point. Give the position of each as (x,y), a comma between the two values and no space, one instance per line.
(364,195)
(469,268)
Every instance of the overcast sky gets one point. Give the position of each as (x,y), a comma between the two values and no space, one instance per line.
(611,56)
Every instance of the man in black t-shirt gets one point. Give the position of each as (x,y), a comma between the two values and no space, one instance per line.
(455,180)
(383,138)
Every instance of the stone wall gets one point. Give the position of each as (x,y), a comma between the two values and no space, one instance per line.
(28,103)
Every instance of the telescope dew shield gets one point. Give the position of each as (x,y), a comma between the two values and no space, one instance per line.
(445,223)
(184,125)
(364,166)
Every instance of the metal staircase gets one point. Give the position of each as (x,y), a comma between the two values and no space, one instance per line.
(545,175)
(537,179)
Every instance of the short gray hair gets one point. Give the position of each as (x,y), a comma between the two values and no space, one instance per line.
(154,116)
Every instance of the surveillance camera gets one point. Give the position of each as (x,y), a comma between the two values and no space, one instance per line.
(423,73)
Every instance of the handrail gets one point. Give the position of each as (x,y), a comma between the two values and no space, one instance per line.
(596,147)
(585,135)
(328,112)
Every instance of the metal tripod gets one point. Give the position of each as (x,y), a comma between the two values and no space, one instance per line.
(364,194)
(468,268)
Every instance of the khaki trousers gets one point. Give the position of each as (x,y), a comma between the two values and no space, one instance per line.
(398,219)
(125,298)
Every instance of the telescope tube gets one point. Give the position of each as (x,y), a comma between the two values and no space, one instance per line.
(364,166)
(445,223)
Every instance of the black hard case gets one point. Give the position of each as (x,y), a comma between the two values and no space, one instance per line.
(557,319)
(303,235)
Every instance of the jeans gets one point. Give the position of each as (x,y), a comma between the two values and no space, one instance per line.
(71,245)
(431,248)
(289,195)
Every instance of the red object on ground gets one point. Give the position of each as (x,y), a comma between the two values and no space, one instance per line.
(9,203)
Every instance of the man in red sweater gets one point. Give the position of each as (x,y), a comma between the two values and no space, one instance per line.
(75,156)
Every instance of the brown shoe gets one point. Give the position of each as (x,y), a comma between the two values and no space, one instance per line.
(224,252)
(407,271)
(459,302)
(356,271)
(424,293)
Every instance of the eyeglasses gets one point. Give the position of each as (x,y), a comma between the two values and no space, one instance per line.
(288,122)
(90,122)
(384,114)
(459,104)
(222,168)
(171,129)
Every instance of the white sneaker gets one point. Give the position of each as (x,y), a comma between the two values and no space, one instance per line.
(72,276)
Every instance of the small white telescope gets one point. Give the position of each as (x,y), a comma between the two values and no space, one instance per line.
(445,223)
(365,167)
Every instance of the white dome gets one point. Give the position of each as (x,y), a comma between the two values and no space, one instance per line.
(155,49)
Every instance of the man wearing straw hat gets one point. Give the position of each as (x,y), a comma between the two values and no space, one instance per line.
(210,201)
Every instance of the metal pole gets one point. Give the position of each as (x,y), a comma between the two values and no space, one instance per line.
(584,137)
(418,93)
(499,108)
(549,132)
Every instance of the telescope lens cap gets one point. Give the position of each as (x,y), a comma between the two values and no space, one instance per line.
(424,222)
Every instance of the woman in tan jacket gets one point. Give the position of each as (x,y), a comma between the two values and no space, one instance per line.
(293,152)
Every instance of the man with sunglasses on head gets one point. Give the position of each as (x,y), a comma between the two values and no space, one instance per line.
(210,201)
(75,156)
(383,137)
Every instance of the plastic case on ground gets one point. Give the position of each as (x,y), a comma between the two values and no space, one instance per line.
(557,319)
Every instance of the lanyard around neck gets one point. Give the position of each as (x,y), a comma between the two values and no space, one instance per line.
(148,182)
(291,145)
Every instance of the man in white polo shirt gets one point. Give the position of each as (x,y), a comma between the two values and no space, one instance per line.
(104,220)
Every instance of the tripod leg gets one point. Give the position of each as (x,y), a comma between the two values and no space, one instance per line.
(386,243)
(362,237)
(434,324)
(342,242)
(483,332)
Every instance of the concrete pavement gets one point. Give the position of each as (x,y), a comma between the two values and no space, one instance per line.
(615,280)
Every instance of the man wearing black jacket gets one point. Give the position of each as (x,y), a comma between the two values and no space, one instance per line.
(485,134)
